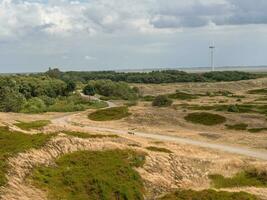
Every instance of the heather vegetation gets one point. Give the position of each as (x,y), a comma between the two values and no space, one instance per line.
(12,143)
(93,176)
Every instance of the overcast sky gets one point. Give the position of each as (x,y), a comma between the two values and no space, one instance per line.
(130,34)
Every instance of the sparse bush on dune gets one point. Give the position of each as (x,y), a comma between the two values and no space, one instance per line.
(162,101)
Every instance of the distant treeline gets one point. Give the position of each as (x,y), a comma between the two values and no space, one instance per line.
(168,76)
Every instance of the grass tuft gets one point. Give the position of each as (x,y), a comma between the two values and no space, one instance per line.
(250,177)
(208,195)
(237,127)
(88,135)
(107,175)
(205,118)
(158,149)
(257,130)
(109,114)
(32,125)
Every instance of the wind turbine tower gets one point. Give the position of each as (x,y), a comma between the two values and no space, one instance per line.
(212,48)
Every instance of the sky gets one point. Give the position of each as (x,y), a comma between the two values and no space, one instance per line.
(130,34)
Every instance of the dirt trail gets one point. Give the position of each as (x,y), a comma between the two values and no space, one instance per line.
(258,154)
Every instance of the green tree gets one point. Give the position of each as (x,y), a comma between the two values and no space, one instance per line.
(89,90)
(10,100)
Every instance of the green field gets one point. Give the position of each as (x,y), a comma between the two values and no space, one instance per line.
(88,175)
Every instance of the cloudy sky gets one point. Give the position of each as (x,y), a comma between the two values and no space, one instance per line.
(123,34)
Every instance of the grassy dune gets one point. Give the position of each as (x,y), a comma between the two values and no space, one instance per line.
(87,175)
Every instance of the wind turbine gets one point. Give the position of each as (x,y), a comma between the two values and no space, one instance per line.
(212,48)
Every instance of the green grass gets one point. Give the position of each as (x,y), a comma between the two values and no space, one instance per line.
(257,130)
(32,125)
(158,149)
(245,178)
(12,143)
(208,195)
(182,96)
(97,104)
(148,98)
(89,175)
(205,118)
(110,114)
(237,127)
(88,135)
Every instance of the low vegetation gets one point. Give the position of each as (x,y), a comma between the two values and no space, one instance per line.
(162,101)
(93,176)
(12,143)
(237,108)
(208,195)
(61,104)
(237,127)
(250,177)
(182,95)
(88,135)
(32,125)
(110,114)
(158,149)
(257,130)
(262,91)
(205,118)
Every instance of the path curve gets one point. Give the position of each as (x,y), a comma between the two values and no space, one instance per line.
(258,154)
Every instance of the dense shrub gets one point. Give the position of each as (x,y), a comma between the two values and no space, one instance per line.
(162,101)
(107,88)
(204,118)
(10,100)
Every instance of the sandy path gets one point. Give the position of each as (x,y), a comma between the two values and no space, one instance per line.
(258,154)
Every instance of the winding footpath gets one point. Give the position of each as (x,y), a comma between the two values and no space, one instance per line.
(253,153)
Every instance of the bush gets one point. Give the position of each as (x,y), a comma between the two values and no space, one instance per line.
(162,101)
(34,105)
(204,118)
(233,108)
(240,126)
(109,114)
